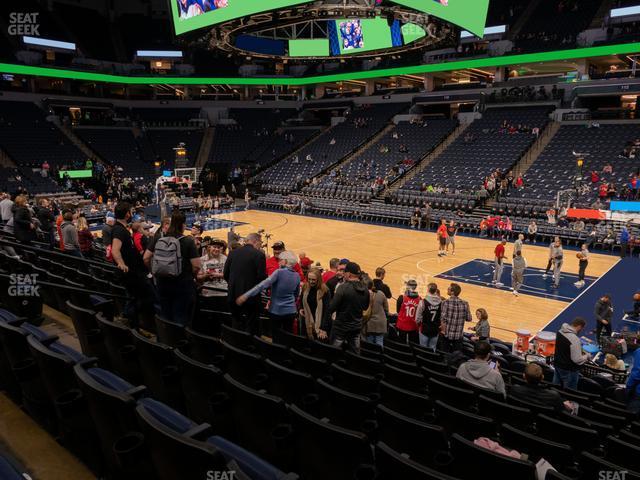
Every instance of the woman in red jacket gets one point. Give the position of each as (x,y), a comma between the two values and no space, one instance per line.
(85,237)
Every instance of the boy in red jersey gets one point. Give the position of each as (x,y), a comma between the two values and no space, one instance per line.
(407,306)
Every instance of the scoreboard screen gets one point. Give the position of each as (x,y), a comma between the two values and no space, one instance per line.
(468,14)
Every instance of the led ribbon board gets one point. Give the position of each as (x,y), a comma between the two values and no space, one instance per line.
(468,14)
(193,14)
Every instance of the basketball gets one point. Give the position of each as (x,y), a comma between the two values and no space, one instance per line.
(579,256)
(636,297)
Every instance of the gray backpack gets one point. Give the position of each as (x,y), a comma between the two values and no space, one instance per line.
(167,258)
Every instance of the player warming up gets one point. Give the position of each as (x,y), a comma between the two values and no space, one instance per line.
(499,263)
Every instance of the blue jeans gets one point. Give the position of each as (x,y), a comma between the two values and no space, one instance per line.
(429,342)
(377,338)
(566,378)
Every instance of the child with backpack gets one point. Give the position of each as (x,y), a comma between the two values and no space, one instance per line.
(407,306)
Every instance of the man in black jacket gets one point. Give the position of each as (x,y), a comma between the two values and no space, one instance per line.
(244,269)
(603,312)
(534,392)
(350,300)
(569,357)
(46,219)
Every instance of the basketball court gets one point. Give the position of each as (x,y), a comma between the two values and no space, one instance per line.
(406,253)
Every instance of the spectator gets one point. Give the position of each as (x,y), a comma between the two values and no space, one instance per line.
(635,313)
(110,220)
(348,304)
(611,361)
(375,326)
(85,237)
(379,284)
(455,312)
(316,300)
(428,317)
(134,274)
(338,278)
(285,288)
(244,269)
(482,329)
(532,230)
(480,372)
(24,227)
(46,219)
(6,208)
(624,241)
(603,312)
(633,385)
(333,269)
(569,357)
(212,268)
(70,235)
(176,287)
(273,263)
(305,262)
(534,392)
(407,307)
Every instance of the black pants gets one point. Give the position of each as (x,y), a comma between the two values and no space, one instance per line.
(406,337)
(246,317)
(281,322)
(603,329)
(623,249)
(582,267)
(450,346)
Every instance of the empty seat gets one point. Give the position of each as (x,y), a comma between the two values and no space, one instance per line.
(244,366)
(392,464)
(344,408)
(557,454)
(313,436)
(290,385)
(199,382)
(577,437)
(121,350)
(406,402)
(504,413)
(404,379)
(88,332)
(170,333)
(465,423)
(353,382)
(452,395)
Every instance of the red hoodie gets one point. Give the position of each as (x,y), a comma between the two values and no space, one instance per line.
(273,264)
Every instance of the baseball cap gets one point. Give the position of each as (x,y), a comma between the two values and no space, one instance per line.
(343,261)
(278,246)
(352,268)
(219,242)
(110,215)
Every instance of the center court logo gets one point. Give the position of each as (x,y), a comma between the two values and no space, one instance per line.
(24,23)
(23,285)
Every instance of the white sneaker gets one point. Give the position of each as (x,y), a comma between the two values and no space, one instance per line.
(544,275)
(625,316)
(515,293)
(499,284)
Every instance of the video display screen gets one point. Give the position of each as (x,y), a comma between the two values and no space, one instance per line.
(468,14)
(356,35)
(190,15)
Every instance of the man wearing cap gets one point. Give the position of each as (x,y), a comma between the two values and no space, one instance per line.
(273,263)
(348,303)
